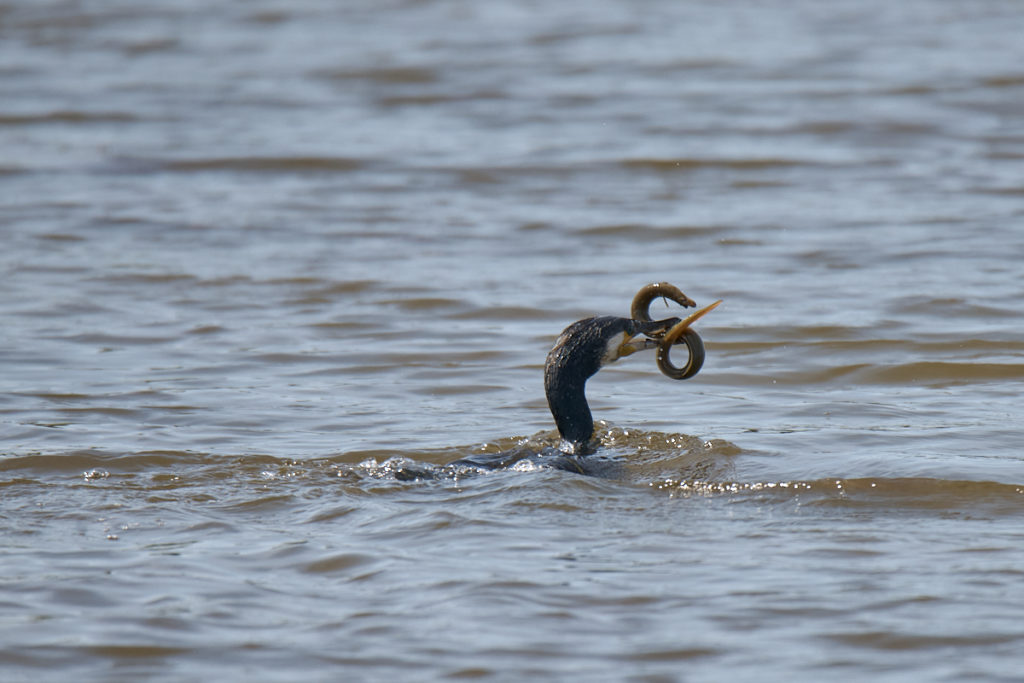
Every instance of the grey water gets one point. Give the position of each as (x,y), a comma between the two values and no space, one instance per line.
(261,258)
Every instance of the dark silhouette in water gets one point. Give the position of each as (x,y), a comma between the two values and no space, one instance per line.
(585,347)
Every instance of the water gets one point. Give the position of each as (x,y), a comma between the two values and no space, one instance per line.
(262,258)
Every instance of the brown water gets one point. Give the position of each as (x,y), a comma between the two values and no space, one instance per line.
(261,260)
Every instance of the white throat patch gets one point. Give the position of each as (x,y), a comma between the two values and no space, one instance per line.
(611,349)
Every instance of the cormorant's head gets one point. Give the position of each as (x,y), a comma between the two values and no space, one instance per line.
(580,351)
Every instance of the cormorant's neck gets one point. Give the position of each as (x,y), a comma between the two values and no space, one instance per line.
(568,403)
(576,356)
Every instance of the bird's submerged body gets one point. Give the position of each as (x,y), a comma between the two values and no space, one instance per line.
(524,456)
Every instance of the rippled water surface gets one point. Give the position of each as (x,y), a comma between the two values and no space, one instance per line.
(268,268)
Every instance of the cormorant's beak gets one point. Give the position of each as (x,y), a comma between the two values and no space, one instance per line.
(631,345)
(677,330)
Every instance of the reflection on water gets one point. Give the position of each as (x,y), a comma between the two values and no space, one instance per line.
(269,269)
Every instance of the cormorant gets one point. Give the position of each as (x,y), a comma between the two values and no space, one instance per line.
(585,347)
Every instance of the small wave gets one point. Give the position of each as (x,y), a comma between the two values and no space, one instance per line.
(143,47)
(652,232)
(58,236)
(327,288)
(692,163)
(1007,81)
(426,99)
(947,307)
(65,116)
(258,164)
(922,373)
(507,313)
(406,75)
(142,278)
(244,164)
(938,373)
(423,303)
(912,493)
(100,461)
(116,340)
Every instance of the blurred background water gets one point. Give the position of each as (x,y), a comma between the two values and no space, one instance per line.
(260,256)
